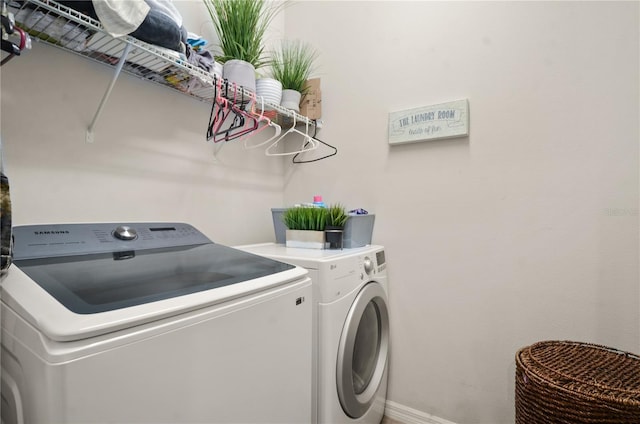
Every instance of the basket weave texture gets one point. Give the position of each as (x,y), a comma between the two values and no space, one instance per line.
(560,382)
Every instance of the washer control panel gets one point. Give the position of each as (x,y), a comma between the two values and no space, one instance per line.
(124,232)
(43,241)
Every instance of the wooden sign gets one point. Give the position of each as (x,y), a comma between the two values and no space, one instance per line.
(445,120)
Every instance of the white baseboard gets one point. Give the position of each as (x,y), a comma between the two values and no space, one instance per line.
(407,415)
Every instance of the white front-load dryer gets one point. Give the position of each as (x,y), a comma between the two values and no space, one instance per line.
(351,329)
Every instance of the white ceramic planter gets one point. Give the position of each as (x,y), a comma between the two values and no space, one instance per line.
(291,100)
(270,89)
(241,72)
(305,239)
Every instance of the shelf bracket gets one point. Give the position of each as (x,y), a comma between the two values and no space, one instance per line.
(123,58)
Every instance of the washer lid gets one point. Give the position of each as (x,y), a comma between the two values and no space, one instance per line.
(73,296)
(90,284)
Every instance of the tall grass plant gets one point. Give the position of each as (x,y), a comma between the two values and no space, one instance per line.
(292,63)
(241,26)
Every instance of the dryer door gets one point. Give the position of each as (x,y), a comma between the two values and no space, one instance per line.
(363,350)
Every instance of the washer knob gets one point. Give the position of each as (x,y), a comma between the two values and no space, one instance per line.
(368,265)
(124,232)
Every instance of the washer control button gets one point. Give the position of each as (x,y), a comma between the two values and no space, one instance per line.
(124,232)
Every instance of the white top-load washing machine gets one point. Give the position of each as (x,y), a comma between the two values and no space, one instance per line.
(351,329)
(150,323)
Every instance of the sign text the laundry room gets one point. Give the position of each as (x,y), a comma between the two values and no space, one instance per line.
(445,120)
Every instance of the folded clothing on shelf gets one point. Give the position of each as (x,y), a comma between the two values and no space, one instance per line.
(156,22)
(52,28)
(159,29)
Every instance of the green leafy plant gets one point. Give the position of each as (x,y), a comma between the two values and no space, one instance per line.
(305,218)
(241,26)
(292,64)
(336,215)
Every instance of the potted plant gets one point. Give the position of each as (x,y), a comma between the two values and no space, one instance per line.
(241,26)
(334,230)
(292,64)
(305,226)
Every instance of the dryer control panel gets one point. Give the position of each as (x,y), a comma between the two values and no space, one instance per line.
(382,263)
(345,273)
(368,265)
(375,264)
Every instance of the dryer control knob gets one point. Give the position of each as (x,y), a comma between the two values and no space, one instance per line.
(368,265)
(126,233)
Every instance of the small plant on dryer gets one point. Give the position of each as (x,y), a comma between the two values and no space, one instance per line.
(336,216)
(305,218)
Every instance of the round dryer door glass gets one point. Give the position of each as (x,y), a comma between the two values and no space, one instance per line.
(366,348)
(362,352)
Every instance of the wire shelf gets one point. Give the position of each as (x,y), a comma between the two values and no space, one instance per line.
(74,32)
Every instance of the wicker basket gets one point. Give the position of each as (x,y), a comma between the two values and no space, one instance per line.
(569,382)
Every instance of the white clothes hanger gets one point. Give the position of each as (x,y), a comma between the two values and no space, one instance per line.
(269,122)
(308,142)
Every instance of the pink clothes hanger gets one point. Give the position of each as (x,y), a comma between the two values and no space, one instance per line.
(219,111)
(242,124)
(269,122)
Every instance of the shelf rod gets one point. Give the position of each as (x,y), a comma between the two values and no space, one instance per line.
(107,93)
